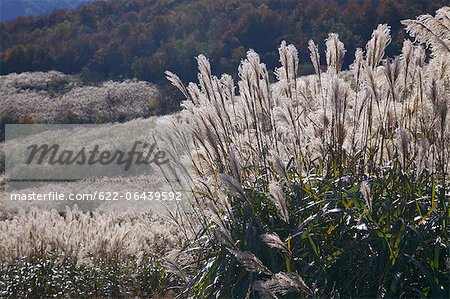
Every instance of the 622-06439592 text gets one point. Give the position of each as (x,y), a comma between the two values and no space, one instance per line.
(102,196)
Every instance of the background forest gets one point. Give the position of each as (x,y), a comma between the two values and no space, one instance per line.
(11,9)
(142,39)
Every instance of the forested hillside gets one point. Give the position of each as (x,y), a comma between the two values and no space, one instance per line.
(11,9)
(141,39)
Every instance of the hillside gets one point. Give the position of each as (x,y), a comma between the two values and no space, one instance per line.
(142,39)
(11,9)
(53,97)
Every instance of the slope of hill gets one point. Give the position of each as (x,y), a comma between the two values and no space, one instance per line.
(141,38)
(53,97)
(11,9)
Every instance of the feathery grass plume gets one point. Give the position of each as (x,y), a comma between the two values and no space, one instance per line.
(283,283)
(441,69)
(339,93)
(357,65)
(412,57)
(392,71)
(377,44)
(315,59)
(438,99)
(172,265)
(250,262)
(365,191)
(407,57)
(278,199)
(232,185)
(288,70)
(432,31)
(278,166)
(274,241)
(335,53)
(175,80)
(356,68)
(314,55)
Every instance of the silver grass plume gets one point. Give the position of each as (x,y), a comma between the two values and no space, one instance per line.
(407,58)
(195,93)
(404,144)
(274,241)
(365,191)
(335,53)
(282,283)
(339,91)
(278,166)
(176,81)
(407,52)
(441,68)
(392,70)
(250,262)
(371,81)
(377,44)
(232,185)
(439,101)
(205,76)
(432,31)
(358,64)
(357,68)
(315,56)
(277,197)
(289,63)
(235,166)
